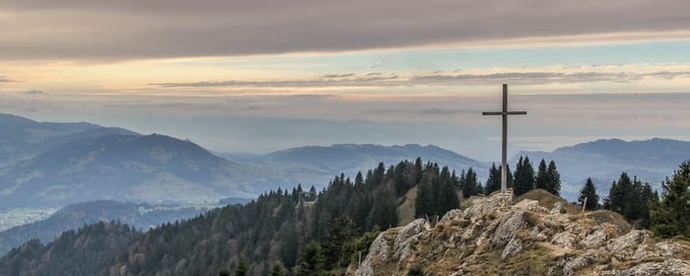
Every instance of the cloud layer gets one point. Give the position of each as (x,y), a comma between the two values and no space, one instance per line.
(518,76)
(115,30)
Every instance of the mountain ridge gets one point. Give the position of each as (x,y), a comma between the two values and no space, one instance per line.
(604,160)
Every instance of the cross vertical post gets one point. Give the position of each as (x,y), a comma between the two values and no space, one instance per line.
(504,141)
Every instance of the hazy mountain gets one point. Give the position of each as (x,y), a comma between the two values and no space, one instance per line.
(604,160)
(54,164)
(22,138)
(315,165)
(152,168)
(139,216)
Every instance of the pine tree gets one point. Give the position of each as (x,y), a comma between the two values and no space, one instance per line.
(242,267)
(425,203)
(447,197)
(554,184)
(524,176)
(670,214)
(542,180)
(383,212)
(278,269)
(311,260)
(589,191)
(342,230)
(630,198)
(493,182)
(470,185)
(618,194)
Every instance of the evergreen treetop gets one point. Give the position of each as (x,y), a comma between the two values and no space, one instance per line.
(670,215)
(589,192)
(524,176)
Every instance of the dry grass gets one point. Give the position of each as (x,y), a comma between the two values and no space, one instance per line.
(547,200)
(602,216)
(465,203)
(533,219)
(406,209)
(534,260)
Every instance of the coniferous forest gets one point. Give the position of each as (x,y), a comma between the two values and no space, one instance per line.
(309,232)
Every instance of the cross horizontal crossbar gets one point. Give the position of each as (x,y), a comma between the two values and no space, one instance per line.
(505,113)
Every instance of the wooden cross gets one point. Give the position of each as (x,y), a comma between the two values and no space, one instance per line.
(504,142)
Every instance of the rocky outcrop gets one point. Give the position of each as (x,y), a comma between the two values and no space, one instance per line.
(496,236)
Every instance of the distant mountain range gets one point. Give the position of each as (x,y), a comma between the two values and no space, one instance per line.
(604,160)
(58,164)
(55,164)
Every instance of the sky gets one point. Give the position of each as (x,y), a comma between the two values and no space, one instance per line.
(259,76)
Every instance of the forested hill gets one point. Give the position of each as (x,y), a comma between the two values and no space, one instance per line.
(81,252)
(304,230)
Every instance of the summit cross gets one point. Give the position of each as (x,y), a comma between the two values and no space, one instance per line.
(504,142)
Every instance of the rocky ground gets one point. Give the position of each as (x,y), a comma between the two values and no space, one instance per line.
(535,234)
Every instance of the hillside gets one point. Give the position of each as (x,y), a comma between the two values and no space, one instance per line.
(138,216)
(535,234)
(152,168)
(90,247)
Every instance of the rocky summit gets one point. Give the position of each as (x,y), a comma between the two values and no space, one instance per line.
(534,234)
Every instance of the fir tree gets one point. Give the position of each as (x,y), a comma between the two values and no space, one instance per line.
(493,182)
(554,184)
(524,176)
(670,214)
(589,191)
(618,194)
(542,180)
(311,260)
(242,268)
(470,185)
(424,203)
(342,231)
(448,194)
(630,198)
(278,269)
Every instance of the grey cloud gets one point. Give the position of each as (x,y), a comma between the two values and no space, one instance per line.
(333,76)
(539,77)
(33,92)
(5,79)
(344,80)
(97,30)
(437,78)
(423,111)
